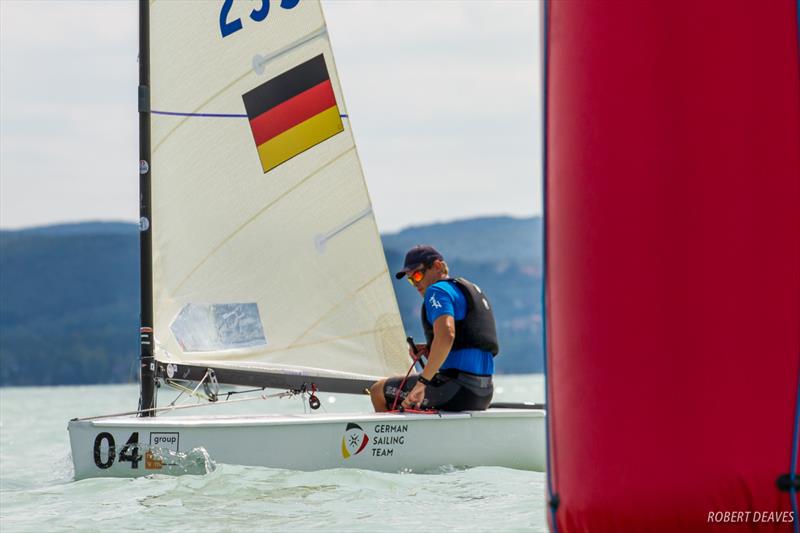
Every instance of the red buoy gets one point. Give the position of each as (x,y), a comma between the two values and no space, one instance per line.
(672,213)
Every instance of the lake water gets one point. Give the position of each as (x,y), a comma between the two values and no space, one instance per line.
(38,493)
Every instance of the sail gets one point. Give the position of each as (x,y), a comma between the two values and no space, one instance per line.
(266,255)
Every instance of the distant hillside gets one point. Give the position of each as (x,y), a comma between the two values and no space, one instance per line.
(69,306)
(75,228)
(69,295)
(476,239)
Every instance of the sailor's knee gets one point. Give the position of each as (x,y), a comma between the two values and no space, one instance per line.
(377,388)
(376,395)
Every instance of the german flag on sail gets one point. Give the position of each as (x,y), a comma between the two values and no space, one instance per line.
(293,112)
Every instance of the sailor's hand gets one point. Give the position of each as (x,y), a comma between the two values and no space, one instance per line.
(422,350)
(415,397)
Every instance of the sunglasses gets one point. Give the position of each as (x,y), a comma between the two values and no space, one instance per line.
(416,276)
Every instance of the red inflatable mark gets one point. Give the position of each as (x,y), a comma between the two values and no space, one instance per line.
(673,263)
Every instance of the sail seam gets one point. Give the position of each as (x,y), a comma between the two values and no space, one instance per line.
(337,306)
(257,215)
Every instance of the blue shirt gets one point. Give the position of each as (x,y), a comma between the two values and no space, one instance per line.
(444,298)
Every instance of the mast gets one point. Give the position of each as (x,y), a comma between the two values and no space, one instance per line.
(147,395)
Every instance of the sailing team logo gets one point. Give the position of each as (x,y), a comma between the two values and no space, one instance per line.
(354,440)
(293,112)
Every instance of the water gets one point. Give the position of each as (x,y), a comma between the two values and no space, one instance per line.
(37,491)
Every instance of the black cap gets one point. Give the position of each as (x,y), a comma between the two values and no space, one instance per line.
(417,257)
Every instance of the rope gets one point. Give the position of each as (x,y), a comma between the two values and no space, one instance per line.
(285,394)
(400,388)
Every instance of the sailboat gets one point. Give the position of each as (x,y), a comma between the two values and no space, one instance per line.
(262,265)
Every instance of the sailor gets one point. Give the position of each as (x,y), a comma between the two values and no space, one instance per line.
(461,342)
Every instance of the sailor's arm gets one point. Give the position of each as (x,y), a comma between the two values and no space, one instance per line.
(444,333)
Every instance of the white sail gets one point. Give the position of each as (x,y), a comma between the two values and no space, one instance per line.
(262,260)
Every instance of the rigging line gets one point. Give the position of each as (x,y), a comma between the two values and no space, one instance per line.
(337,306)
(199,383)
(207,115)
(285,394)
(181,388)
(247,391)
(258,214)
(291,46)
(177,386)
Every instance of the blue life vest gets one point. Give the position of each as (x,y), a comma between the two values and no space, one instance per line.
(475,342)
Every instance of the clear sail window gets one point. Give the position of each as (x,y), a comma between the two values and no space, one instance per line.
(212,327)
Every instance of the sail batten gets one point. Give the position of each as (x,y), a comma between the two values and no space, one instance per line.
(266,253)
(260,61)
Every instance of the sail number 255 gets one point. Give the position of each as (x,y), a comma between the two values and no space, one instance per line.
(228,27)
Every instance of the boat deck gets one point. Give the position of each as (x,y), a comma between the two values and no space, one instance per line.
(302,418)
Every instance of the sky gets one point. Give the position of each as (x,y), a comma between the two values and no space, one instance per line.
(443,98)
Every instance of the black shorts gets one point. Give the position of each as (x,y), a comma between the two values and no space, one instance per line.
(449,390)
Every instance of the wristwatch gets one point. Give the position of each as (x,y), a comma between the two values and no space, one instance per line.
(422,379)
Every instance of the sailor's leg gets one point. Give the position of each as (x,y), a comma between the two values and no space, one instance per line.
(377,396)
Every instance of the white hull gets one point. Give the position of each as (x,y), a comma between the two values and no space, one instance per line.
(513,438)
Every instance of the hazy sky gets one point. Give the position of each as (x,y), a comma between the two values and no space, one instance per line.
(443,98)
